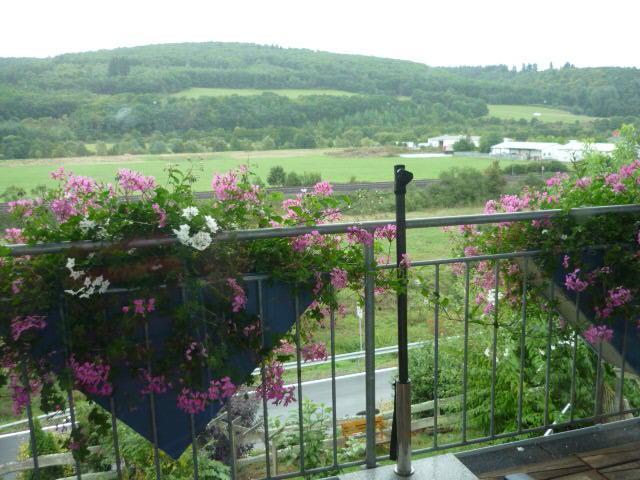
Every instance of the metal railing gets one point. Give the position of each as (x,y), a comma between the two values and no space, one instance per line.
(374,451)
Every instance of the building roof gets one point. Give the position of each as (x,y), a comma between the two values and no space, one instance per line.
(526,145)
(575,146)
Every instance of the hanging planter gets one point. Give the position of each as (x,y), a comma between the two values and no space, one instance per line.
(593,262)
(169,322)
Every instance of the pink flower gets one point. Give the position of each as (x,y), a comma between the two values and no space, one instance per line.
(338,278)
(471,251)
(314,352)
(239,301)
(273,387)
(191,401)
(151,305)
(597,333)
(139,306)
(58,174)
(14,235)
(19,325)
(565,262)
(131,181)
(359,235)
(618,296)
(91,377)
(162,215)
(583,182)
(573,282)
(388,232)
(125,309)
(405,261)
(16,286)
(323,189)
(156,384)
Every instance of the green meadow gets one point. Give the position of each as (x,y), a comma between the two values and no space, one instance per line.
(332,164)
(528,112)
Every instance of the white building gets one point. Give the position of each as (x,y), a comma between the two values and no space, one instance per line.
(568,152)
(575,150)
(446,142)
(525,150)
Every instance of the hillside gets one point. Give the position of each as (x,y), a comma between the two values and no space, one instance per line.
(196,97)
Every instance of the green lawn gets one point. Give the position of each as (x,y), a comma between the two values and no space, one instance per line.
(287,92)
(28,173)
(527,112)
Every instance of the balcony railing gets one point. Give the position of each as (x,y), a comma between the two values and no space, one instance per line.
(447,430)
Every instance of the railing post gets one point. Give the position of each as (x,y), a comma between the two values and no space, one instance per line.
(370,353)
(402,406)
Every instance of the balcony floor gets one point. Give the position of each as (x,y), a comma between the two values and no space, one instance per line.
(602,452)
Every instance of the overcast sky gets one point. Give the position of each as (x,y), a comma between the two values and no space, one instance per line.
(435,32)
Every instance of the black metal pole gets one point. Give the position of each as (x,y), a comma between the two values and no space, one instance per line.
(401,427)
(402,179)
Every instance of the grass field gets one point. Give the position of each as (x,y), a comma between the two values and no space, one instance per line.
(286,92)
(29,173)
(527,112)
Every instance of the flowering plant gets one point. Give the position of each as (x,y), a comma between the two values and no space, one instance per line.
(153,262)
(596,259)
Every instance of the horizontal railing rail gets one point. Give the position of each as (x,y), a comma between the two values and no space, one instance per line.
(437,329)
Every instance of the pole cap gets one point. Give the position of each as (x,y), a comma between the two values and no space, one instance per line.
(402,178)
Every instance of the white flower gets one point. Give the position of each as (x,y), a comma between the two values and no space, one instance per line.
(201,240)
(104,287)
(542,352)
(183,234)
(131,251)
(76,274)
(212,225)
(563,237)
(359,312)
(545,231)
(190,212)
(487,352)
(85,225)
(71,262)
(506,352)
(303,190)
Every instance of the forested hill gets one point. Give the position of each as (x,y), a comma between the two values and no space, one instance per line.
(141,99)
(173,67)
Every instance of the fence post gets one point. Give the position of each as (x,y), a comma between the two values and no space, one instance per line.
(370,354)
(401,448)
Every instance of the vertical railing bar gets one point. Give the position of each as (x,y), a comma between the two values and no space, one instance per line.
(494,358)
(622,369)
(465,355)
(32,431)
(114,433)
(334,403)
(72,415)
(299,372)
(597,406)
(370,355)
(574,359)
(523,334)
(547,375)
(265,408)
(152,406)
(194,447)
(72,412)
(436,363)
(232,444)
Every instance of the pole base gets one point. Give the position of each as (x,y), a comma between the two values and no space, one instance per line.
(404,473)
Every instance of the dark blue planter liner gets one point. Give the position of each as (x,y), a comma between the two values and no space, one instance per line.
(173,425)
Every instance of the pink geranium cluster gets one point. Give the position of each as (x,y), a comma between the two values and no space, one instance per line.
(313,352)
(156,384)
(19,325)
(14,235)
(597,333)
(141,306)
(239,301)
(132,182)
(273,387)
(359,235)
(226,187)
(573,282)
(387,232)
(91,377)
(193,402)
(23,207)
(20,394)
(616,297)
(308,240)
(339,278)
(323,189)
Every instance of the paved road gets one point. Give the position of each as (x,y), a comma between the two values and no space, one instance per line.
(350,393)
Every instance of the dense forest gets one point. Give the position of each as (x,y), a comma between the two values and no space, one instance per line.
(121,101)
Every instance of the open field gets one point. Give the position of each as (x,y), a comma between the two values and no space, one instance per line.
(328,162)
(286,92)
(527,112)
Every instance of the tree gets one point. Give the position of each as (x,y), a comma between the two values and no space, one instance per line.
(119,66)
(489,140)
(464,145)
(494,179)
(277,176)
